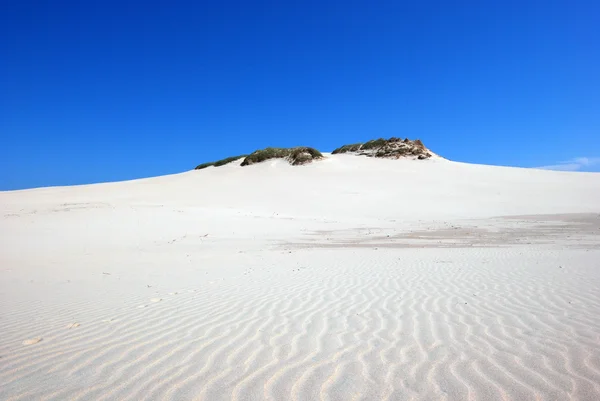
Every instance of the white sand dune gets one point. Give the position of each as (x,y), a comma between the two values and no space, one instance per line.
(347,279)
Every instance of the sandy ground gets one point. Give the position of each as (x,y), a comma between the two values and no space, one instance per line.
(347,279)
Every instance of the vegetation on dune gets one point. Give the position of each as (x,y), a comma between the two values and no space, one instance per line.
(302,155)
(296,156)
(387,148)
(220,162)
(374,144)
(265,154)
(392,148)
(347,148)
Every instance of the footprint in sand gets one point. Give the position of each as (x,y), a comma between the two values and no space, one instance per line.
(109,320)
(32,341)
(73,325)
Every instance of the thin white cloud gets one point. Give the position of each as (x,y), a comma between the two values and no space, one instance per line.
(576,164)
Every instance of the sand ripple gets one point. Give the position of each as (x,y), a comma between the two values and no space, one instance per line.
(447,324)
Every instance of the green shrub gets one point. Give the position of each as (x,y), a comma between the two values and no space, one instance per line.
(355,147)
(264,154)
(393,147)
(374,144)
(303,155)
(204,165)
(219,163)
(228,160)
(296,156)
(347,148)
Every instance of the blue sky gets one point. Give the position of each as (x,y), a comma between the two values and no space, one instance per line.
(104,91)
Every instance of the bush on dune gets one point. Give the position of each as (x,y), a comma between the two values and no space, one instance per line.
(296,156)
(219,162)
(392,148)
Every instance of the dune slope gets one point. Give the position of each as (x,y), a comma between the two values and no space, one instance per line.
(348,278)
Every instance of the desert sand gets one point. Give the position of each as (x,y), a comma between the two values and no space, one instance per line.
(349,278)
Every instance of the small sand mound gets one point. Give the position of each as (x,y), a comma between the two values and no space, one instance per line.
(32,341)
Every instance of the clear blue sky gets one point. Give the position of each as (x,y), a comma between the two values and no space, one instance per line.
(113,90)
